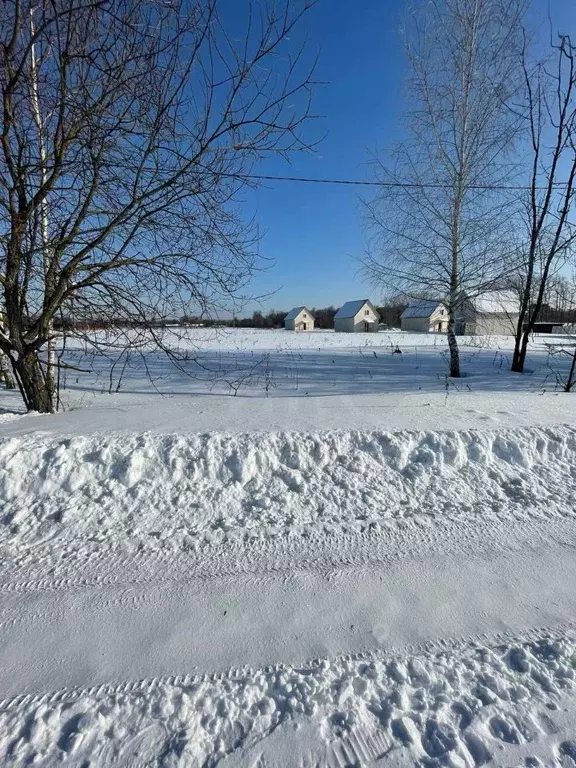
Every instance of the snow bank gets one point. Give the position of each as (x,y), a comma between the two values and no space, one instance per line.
(503,704)
(172,492)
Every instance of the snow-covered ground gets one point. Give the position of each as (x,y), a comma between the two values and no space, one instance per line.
(240,364)
(292,550)
(146,493)
(245,363)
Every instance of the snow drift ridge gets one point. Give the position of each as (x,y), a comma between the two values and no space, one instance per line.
(174,491)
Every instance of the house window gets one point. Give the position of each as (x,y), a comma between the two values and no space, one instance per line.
(366,311)
(441,311)
(304,315)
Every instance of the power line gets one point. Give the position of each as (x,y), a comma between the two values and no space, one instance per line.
(390,184)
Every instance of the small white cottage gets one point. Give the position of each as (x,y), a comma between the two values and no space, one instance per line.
(425,316)
(491,313)
(494,313)
(299,319)
(357,317)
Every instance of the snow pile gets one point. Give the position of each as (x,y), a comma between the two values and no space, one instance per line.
(461,707)
(173,492)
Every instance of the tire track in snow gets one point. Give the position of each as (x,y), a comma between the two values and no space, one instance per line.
(453,646)
(346,558)
(320,553)
(258,618)
(127,599)
(396,698)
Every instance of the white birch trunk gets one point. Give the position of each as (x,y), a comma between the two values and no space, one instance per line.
(51,347)
(5,374)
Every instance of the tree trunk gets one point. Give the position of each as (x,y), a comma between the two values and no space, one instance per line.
(520,350)
(453,346)
(525,329)
(517,360)
(5,375)
(455,282)
(51,365)
(521,337)
(454,290)
(37,394)
(570,380)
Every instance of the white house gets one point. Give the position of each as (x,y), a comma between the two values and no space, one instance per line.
(425,316)
(357,317)
(299,319)
(494,313)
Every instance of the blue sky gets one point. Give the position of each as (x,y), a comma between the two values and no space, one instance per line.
(314,233)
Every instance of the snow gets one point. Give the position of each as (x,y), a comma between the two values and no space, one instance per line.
(358,708)
(145,492)
(502,703)
(497,302)
(249,363)
(392,411)
(212,617)
(292,550)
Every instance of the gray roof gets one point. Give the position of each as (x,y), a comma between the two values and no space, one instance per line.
(351,308)
(421,308)
(293,314)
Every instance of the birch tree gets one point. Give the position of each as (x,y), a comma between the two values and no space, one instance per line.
(5,375)
(441,226)
(127,131)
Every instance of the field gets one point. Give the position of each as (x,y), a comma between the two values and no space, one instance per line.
(281,363)
(281,549)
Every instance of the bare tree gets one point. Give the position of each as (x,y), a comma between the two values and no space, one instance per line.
(127,130)
(440,226)
(549,209)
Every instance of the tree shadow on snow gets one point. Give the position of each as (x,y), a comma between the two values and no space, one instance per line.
(311,373)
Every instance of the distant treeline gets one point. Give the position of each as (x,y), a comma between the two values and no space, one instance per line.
(323,316)
(551,314)
(324,319)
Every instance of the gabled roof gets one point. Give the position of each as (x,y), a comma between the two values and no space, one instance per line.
(421,308)
(293,314)
(351,308)
(497,303)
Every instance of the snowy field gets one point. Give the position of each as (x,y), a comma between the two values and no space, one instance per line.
(253,363)
(282,363)
(295,550)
